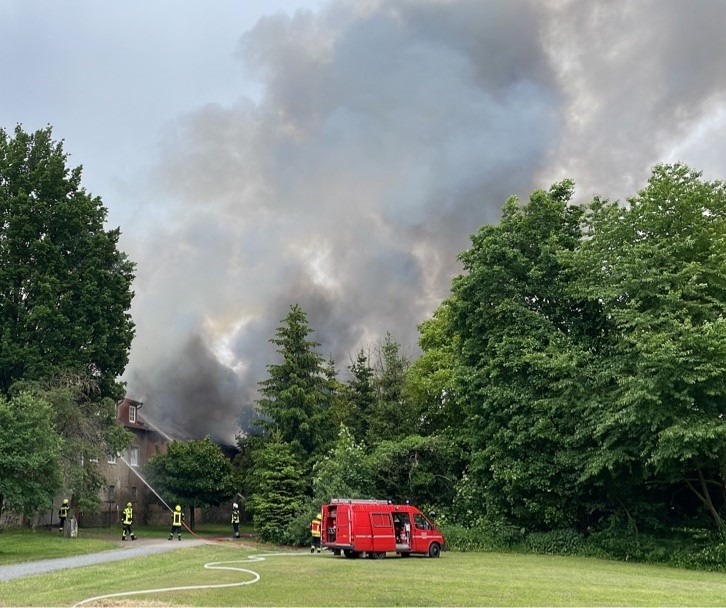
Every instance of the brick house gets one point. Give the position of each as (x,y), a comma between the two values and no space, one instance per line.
(123,472)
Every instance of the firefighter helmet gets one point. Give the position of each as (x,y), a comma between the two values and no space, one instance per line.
(128,504)
(319,516)
(178,508)
(65,501)
(235,506)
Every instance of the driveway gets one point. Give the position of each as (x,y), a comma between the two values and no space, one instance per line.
(126,550)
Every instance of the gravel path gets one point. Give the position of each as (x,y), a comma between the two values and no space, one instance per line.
(127,550)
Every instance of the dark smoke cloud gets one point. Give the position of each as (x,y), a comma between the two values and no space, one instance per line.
(388,132)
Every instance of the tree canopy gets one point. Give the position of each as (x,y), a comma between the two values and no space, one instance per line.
(65,287)
(194,473)
(30,471)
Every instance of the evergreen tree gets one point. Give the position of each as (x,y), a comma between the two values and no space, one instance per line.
(277,489)
(392,415)
(295,398)
(360,394)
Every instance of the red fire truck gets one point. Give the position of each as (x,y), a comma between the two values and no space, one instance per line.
(375,527)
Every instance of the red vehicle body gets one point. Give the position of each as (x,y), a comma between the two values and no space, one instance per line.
(375,527)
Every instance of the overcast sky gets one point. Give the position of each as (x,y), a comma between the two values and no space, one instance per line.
(338,154)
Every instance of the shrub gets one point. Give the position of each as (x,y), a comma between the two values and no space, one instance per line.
(556,542)
(484,537)
(711,558)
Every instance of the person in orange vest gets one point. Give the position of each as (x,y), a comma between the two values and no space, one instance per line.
(63,514)
(177,517)
(315,526)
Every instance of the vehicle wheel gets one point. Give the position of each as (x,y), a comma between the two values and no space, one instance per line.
(336,551)
(434,550)
(377,554)
(406,554)
(351,554)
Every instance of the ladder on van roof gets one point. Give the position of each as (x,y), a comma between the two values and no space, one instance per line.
(357,501)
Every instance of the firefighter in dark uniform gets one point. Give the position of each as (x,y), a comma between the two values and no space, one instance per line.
(235,519)
(315,533)
(177,517)
(63,514)
(127,519)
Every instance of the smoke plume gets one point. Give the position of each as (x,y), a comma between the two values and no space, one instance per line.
(386,133)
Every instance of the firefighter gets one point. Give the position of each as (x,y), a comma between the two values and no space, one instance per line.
(63,514)
(315,533)
(177,517)
(127,519)
(235,519)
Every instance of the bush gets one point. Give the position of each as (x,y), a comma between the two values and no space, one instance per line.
(556,542)
(711,558)
(484,537)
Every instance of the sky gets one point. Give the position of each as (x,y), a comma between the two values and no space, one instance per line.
(339,154)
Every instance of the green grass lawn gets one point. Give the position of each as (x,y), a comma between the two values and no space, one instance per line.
(297,578)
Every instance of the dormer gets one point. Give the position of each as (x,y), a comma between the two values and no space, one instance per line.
(127,412)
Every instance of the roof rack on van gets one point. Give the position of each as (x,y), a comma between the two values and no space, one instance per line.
(350,501)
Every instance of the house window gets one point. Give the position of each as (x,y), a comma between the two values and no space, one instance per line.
(112,459)
(111,493)
(134,457)
(133,492)
(132,413)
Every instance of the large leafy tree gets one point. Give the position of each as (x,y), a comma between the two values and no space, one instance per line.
(519,347)
(87,427)
(30,472)
(296,396)
(195,473)
(658,268)
(430,379)
(65,288)
(343,472)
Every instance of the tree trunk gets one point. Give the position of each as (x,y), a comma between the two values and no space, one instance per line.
(705,497)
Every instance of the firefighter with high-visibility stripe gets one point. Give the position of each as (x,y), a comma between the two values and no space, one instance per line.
(127,519)
(315,527)
(177,517)
(235,519)
(63,514)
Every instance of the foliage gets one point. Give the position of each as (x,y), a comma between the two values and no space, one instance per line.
(344,472)
(65,288)
(30,472)
(658,271)
(416,468)
(490,536)
(86,423)
(192,473)
(711,558)
(295,398)
(556,542)
(517,380)
(277,489)
(391,416)
(430,381)
(360,393)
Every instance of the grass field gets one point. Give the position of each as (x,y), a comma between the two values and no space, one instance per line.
(297,578)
